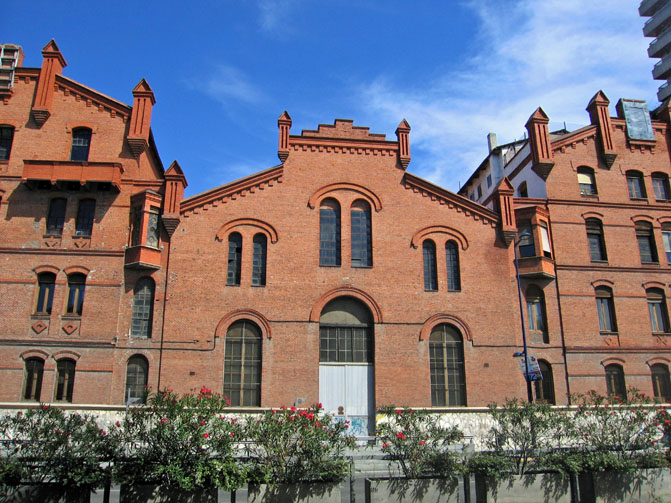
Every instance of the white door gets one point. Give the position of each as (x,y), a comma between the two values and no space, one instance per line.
(347,391)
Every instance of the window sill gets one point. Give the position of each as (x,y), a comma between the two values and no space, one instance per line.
(362,266)
(329,265)
(258,286)
(663,200)
(605,262)
(81,236)
(640,199)
(650,264)
(430,291)
(52,235)
(40,316)
(593,197)
(71,316)
(238,286)
(661,334)
(606,333)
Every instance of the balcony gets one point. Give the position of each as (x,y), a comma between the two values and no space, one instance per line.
(142,257)
(659,47)
(536,267)
(663,92)
(662,69)
(658,22)
(648,7)
(90,175)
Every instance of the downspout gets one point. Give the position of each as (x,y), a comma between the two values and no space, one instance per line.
(165,298)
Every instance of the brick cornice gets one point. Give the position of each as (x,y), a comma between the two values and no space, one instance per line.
(97,99)
(343,145)
(233,190)
(60,251)
(579,135)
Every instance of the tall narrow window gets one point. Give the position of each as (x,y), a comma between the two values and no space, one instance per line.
(636,185)
(453,273)
(81,141)
(446,362)
(661,384)
(660,184)
(259,260)
(32,385)
(545,388)
(56,216)
(242,364)
(536,312)
(234,259)
(605,309)
(545,240)
(136,224)
(646,242)
(659,316)
(526,241)
(586,181)
(85,215)
(362,243)
(65,379)
(152,227)
(46,282)
(137,371)
(329,233)
(597,245)
(666,239)
(76,287)
(143,308)
(430,272)
(6,139)
(615,381)
(522,190)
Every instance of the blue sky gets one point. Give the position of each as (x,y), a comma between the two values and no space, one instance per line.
(224,70)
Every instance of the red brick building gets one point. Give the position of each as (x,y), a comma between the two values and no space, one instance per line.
(334,276)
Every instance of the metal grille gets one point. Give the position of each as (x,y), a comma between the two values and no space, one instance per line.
(242,364)
(329,235)
(430,273)
(85,217)
(234,259)
(143,300)
(446,362)
(345,344)
(453,275)
(362,248)
(259,260)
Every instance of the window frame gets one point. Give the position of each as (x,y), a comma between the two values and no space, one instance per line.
(142,315)
(361,234)
(65,380)
(526,245)
(81,144)
(537,323)
(658,311)
(139,387)
(453,266)
(76,290)
(32,379)
(86,212)
(447,367)
(243,393)
(330,233)
(615,381)
(661,382)
(430,265)
(544,391)
(666,241)
(660,186)
(647,247)
(234,264)
(44,301)
(6,141)
(587,181)
(636,185)
(605,308)
(259,259)
(596,242)
(56,216)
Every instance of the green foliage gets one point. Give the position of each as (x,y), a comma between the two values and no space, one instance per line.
(184,442)
(491,465)
(663,424)
(47,444)
(293,445)
(418,442)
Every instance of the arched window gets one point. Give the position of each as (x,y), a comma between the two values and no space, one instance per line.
(446,362)
(660,184)
(545,389)
(234,259)
(666,239)
(646,242)
(65,380)
(345,332)
(143,308)
(586,181)
(597,245)
(6,139)
(430,272)
(81,141)
(615,381)
(661,384)
(85,215)
(76,287)
(137,372)
(522,190)
(56,216)
(242,364)
(605,309)
(659,316)
(362,242)
(46,282)
(32,383)
(536,318)
(329,233)
(453,273)
(259,260)
(636,185)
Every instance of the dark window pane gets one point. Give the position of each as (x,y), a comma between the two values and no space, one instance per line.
(259,260)
(152,228)
(76,287)
(430,272)
(597,247)
(85,216)
(661,384)
(446,364)
(646,242)
(56,216)
(45,294)
(453,275)
(362,244)
(137,226)
(6,139)
(234,259)
(81,140)
(544,388)
(660,184)
(242,364)
(33,382)
(526,241)
(635,185)
(329,233)
(137,371)
(615,381)
(143,307)
(65,379)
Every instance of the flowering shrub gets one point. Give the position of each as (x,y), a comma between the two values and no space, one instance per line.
(663,423)
(416,440)
(49,445)
(293,445)
(180,441)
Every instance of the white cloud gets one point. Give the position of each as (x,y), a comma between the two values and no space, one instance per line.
(229,84)
(274,15)
(552,53)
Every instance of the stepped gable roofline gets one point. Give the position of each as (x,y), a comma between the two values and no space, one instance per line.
(459,201)
(236,186)
(343,132)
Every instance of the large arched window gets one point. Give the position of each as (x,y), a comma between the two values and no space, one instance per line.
(46,281)
(329,233)
(586,181)
(661,384)
(242,364)
(143,308)
(56,216)
(446,362)
(32,382)
(362,242)
(536,317)
(345,332)
(646,242)
(259,260)
(544,389)
(65,380)
(605,308)
(76,288)
(615,381)
(659,315)
(81,141)
(137,373)
(430,272)
(453,274)
(597,245)
(234,259)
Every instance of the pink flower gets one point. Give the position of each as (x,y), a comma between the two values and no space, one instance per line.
(293,408)
(103,432)
(399,411)
(385,445)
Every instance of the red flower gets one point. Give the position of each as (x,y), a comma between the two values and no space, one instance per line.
(385,445)
(421,442)
(320,406)
(206,435)
(293,408)
(202,423)
(118,424)
(103,432)
(400,436)
(399,411)
(232,434)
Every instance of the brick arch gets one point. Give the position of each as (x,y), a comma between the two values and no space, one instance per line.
(602,282)
(653,284)
(83,125)
(76,269)
(34,353)
(664,219)
(658,359)
(265,227)
(46,268)
(59,355)
(438,319)
(367,194)
(419,236)
(243,314)
(592,214)
(646,218)
(346,291)
(613,359)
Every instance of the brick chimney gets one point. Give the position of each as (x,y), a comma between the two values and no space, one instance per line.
(503,197)
(539,140)
(175,183)
(600,117)
(140,119)
(284,124)
(403,135)
(52,65)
